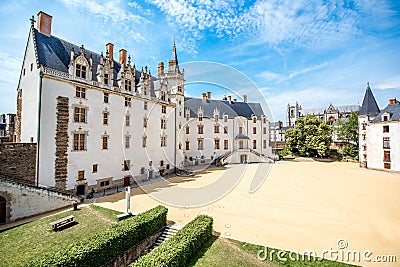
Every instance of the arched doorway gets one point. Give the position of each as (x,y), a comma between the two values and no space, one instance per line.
(3,210)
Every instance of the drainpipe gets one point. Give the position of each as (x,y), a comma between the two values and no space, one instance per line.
(38,129)
(175,141)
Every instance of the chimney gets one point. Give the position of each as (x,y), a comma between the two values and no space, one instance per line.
(204,96)
(122,57)
(392,101)
(208,95)
(279,124)
(160,68)
(110,51)
(229,99)
(44,23)
(245,98)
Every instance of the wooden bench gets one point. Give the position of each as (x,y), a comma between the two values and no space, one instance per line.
(62,222)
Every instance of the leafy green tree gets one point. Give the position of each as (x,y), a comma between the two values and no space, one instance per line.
(310,137)
(348,131)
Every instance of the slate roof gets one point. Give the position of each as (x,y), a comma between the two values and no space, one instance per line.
(242,137)
(55,53)
(341,109)
(393,110)
(369,105)
(233,109)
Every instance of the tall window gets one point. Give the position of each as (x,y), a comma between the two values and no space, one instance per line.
(240,144)
(200,117)
(79,114)
(163,141)
(225,144)
(225,129)
(225,118)
(127,141)
(200,129)
(163,124)
(144,122)
(105,118)
(216,143)
(216,117)
(80,92)
(105,97)
(240,129)
(254,144)
(187,145)
(128,102)
(386,156)
(187,129)
(80,71)
(81,175)
(264,120)
(163,109)
(200,144)
(145,105)
(94,168)
(144,141)
(127,165)
(79,141)
(254,119)
(128,85)
(216,128)
(106,78)
(264,143)
(105,142)
(386,142)
(127,120)
(265,130)
(254,130)
(386,128)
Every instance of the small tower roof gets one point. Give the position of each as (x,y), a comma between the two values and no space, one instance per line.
(369,105)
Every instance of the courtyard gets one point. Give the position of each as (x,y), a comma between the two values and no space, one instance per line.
(301,206)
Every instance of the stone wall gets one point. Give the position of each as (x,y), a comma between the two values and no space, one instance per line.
(18,162)
(25,200)
(61,162)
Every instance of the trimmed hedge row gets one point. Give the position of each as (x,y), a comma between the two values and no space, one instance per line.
(106,245)
(179,250)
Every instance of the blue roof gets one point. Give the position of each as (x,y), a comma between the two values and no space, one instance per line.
(369,105)
(392,109)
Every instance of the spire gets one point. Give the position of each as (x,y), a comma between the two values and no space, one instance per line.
(173,62)
(369,105)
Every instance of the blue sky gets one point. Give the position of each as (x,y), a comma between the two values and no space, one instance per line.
(314,52)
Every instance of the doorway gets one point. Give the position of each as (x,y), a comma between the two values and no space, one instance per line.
(243,158)
(3,210)
(80,190)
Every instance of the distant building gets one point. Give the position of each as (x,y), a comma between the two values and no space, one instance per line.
(379,134)
(278,136)
(7,128)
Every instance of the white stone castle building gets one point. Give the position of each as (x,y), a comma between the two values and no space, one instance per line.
(379,134)
(99,122)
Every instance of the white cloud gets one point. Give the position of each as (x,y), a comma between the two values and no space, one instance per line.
(390,83)
(279,78)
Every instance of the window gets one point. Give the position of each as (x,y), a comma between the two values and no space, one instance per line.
(200,144)
(225,118)
(31,66)
(187,145)
(386,128)
(105,142)
(254,130)
(94,168)
(79,141)
(364,126)
(144,141)
(104,183)
(163,109)
(264,120)
(386,142)
(127,120)
(106,78)
(225,144)
(200,117)
(145,105)
(180,88)
(142,170)
(163,141)
(128,102)
(144,122)
(216,117)
(163,124)
(254,144)
(225,129)
(240,144)
(240,129)
(161,163)
(254,119)
(385,118)
(79,114)
(264,143)
(386,165)
(265,130)
(24,71)
(105,118)
(364,147)
(216,128)
(127,141)
(386,156)
(80,71)
(187,114)
(105,97)
(150,163)
(80,92)
(127,165)
(128,85)
(216,144)
(187,129)
(81,175)
(364,137)
(163,96)
(200,129)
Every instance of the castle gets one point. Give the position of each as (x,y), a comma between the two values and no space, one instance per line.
(99,122)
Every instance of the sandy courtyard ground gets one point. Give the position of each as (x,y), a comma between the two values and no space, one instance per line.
(301,206)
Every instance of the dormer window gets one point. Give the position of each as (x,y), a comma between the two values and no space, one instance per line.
(80,71)
(106,78)
(225,118)
(385,117)
(128,85)
(254,119)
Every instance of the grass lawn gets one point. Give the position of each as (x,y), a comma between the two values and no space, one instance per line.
(24,243)
(232,253)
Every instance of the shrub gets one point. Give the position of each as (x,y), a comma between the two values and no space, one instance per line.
(178,250)
(350,150)
(108,244)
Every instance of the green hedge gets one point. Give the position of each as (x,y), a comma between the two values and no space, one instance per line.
(178,250)
(108,244)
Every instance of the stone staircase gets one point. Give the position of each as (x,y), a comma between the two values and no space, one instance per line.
(169,231)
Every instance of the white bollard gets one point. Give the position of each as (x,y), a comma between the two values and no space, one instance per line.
(128,198)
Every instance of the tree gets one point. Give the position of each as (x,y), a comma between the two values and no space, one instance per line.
(311,136)
(348,131)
